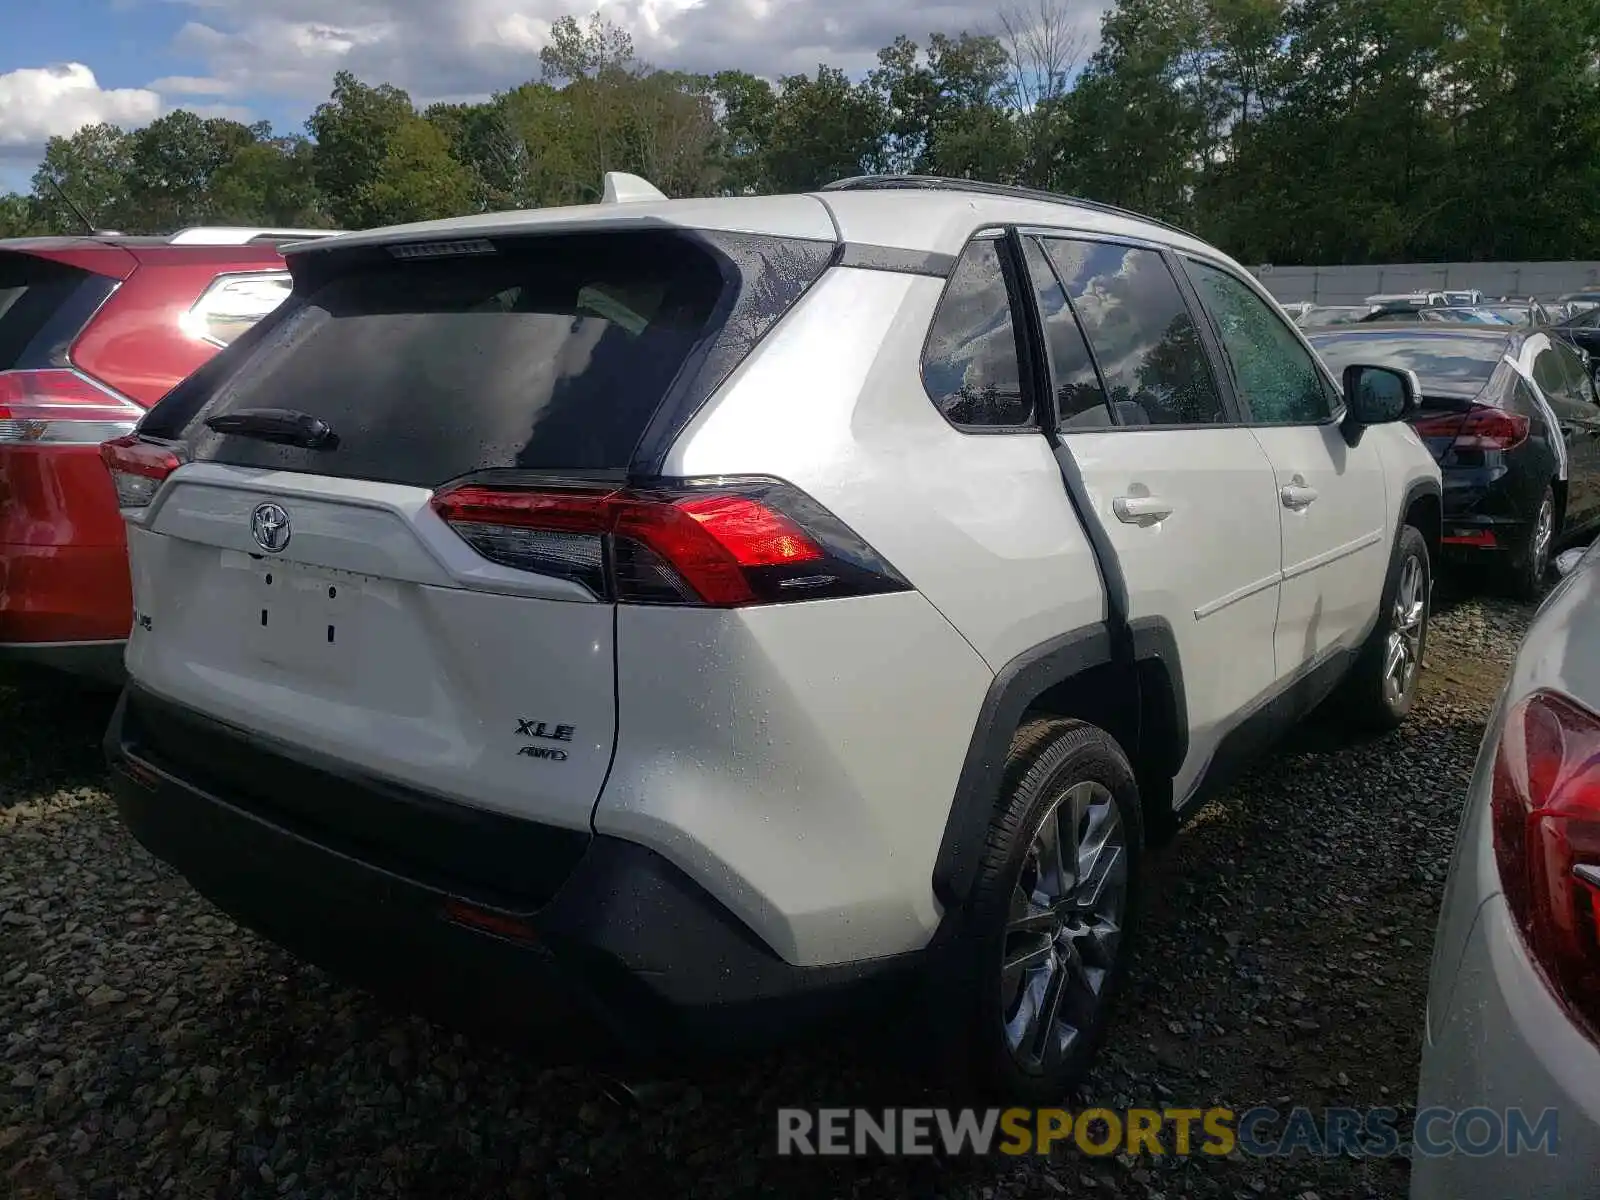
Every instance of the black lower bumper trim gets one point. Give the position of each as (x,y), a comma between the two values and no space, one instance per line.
(629,957)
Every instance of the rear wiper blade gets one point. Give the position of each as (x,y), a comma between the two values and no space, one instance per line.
(285,426)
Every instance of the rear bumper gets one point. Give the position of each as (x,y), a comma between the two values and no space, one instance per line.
(1501,1042)
(628,957)
(1476,538)
(100,661)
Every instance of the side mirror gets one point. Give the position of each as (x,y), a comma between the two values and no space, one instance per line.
(1377,396)
(1567,561)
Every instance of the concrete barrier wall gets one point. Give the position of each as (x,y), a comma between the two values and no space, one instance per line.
(1352,285)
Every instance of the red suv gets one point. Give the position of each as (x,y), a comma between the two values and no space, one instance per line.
(93,331)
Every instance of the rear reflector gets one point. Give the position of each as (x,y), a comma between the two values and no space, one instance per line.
(487,920)
(1481,427)
(61,407)
(727,544)
(138,468)
(1471,537)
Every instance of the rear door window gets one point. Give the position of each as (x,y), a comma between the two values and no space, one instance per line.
(971,366)
(1551,375)
(1143,335)
(1578,382)
(1080,398)
(546,354)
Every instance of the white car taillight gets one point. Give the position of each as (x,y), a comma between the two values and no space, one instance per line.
(1546,805)
(60,406)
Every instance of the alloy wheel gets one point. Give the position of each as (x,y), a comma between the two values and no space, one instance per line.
(1065,924)
(1403,654)
(1543,534)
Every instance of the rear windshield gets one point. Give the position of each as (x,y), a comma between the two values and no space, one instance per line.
(547,354)
(38,316)
(1446,364)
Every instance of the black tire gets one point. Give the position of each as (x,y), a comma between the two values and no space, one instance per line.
(1368,702)
(1052,762)
(1531,564)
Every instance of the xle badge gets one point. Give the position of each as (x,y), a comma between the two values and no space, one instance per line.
(544,731)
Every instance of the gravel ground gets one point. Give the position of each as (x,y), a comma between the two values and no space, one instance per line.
(150,1048)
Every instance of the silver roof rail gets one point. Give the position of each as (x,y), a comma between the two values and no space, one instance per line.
(241,235)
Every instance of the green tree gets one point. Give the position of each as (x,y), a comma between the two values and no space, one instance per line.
(171,165)
(946,110)
(418,178)
(268,182)
(482,139)
(92,167)
(748,107)
(352,131)
(823,129)
(22,216)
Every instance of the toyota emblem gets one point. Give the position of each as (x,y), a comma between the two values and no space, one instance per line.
(270,524)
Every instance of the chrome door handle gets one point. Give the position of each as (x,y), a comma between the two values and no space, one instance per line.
(1141,510)
(1297,496)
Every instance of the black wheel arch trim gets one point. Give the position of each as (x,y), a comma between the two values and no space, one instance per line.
(1417,489)
(1014,690)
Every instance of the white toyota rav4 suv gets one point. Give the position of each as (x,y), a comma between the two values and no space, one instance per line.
(684,619)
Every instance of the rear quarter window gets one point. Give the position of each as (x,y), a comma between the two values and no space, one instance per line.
(44,305)
(552,353)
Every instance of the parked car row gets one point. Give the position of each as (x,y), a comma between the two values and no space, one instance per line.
(1512,418)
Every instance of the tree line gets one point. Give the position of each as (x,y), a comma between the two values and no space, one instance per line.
(1303,131)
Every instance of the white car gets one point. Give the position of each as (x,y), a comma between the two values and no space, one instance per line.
(701,616)
(1509,1098)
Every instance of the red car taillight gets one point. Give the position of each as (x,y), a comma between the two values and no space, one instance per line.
(1483,427)
(137,468)
(61,407)
(1546,812)
(747,542)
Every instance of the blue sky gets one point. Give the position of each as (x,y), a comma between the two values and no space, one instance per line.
(67,63)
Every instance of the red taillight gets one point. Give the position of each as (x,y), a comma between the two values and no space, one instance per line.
(1546,811)
(1481,427)
(758,542)
(61,407)
(137,468)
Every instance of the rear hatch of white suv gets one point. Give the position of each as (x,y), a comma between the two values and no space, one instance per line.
(374,536)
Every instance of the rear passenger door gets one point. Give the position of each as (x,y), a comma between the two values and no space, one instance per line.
(1562,386)
(1183,494)
(1332,506)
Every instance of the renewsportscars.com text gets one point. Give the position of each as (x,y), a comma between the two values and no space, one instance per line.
(1217,1132)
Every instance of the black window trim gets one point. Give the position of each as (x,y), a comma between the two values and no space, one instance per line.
(1045,367)
(1180,279)
(1022,332)
(1335,389)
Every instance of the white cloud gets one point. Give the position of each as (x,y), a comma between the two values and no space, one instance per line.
(37,103)
(192,85)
